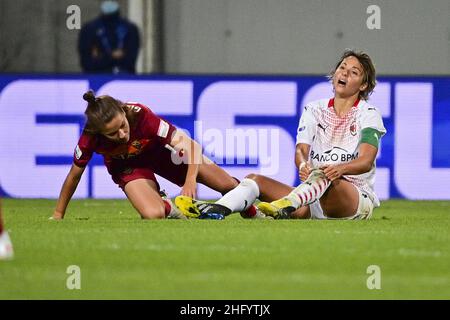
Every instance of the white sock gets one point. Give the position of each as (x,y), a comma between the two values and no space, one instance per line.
(241,197)
(310,190)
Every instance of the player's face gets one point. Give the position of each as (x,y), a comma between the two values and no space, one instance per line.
(118,129)
(348,78)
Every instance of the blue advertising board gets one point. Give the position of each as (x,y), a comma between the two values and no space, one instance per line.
(246,124)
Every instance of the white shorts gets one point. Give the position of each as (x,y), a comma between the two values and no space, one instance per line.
(364,211)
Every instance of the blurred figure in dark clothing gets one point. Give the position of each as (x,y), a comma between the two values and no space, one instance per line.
(110,43)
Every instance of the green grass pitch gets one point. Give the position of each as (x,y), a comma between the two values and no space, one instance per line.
(123,257)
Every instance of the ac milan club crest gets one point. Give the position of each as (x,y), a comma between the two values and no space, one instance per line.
(353,128)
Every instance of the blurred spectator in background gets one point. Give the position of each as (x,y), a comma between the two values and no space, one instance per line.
(110,43)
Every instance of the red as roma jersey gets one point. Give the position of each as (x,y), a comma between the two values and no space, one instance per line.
(149,135)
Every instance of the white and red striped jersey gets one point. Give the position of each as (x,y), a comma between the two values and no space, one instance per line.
(335,139)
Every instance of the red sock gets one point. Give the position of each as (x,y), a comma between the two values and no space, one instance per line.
(167,207)
(249,213)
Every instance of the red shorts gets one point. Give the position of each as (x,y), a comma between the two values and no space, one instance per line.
(160,164)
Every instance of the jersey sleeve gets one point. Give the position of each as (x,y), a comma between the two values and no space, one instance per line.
(371,118)
(155,126)
(307,126)
(84,150)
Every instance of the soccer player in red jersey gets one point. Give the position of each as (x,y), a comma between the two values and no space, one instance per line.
(6,248)
(136,144)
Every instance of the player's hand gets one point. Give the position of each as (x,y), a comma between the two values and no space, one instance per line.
(333,172)
(304,171)
(57,216)
(189,189)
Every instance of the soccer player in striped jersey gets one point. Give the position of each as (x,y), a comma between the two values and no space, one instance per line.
(337,144)
(136,144)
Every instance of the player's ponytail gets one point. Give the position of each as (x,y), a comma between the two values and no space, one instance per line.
(99,111)
(89,96)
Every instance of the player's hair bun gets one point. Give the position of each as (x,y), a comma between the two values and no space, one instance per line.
(89,96)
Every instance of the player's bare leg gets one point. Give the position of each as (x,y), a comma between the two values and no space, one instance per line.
(214,177)
(340,200)
(269,189)
(145,198)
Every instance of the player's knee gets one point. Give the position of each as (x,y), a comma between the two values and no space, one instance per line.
(154,212)
(234,182)
(253,176)
(229,185)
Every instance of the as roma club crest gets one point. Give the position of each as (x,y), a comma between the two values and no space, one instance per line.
(136,147)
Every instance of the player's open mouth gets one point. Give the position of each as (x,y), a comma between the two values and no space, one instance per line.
(342,82)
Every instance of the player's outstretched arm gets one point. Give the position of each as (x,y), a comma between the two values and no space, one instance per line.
(67,191)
